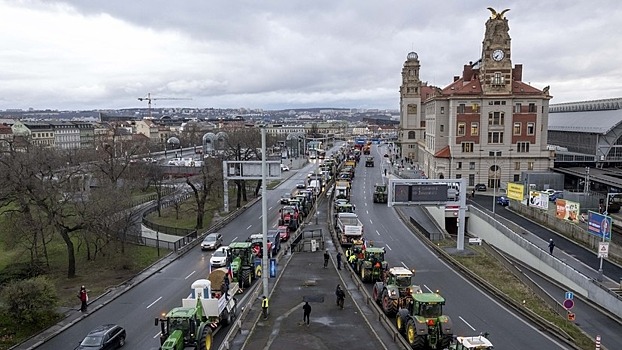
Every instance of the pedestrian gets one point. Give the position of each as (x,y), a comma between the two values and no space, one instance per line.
(473,193)
(352,260)
(326,257)
(306,308)
(264,307)
(84,298)
(551,246)
(338,260)
(385,171)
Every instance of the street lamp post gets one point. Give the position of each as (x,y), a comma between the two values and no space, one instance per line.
(264,212)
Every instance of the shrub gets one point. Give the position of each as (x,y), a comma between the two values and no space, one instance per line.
(31,302)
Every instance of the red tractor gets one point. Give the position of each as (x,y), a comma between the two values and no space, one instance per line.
(290,217)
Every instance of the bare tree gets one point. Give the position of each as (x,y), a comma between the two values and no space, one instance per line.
(203,184)
(242,145)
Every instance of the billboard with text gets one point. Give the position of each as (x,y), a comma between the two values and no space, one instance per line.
(516,191)
(567,210)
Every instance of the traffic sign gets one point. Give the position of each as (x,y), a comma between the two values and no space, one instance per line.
(603,249)
(568,304)
(569,295)
(571,316)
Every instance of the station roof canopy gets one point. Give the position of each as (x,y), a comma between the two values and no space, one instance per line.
(593,122)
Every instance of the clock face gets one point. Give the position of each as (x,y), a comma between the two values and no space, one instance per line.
(498,55)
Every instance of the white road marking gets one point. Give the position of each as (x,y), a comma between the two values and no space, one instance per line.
(467,323)
(249,226)
(260,217)
(191,273)
(150,305)
(157,335)
(429,290)
(367,212)
(269,208)
(371,222)
(233,240)
(406,267)
(378,233)
(386,245)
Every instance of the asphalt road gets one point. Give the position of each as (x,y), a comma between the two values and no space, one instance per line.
(471,310)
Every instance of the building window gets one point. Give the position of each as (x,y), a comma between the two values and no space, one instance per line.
(442,128)
(516,165)
(495,137)
(471,179)
(442,110)
(471,165)
(516,128)
(461,108)
(532,108)
(422,124)
(516,177)
(522,147)
(467,147)
(517,108)
(531,128)
(474,128)
(497,79)
(458,165)
(496,118)
(411,135)
(458,176)
(529,165)
(461,129)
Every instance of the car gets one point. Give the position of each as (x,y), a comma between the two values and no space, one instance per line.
(339,202)
(108,336)
(212,241)
(220,258)
(274,241)
(503,201)
(285,197)
(284,167)
(550,191)
(553,197)
(283,233)
(301,185)
(480,187)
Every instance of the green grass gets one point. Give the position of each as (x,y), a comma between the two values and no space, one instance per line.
(491,270)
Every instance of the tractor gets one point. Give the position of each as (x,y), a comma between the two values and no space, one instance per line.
(380,193)
(423,323)
(372,265)
(242,263)
(396,290)
(289,216)
(479,342)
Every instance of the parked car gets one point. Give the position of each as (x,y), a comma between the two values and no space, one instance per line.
(221,257)
(284,167)
(550,191)
(108,336)
(480,187)
(212,241)
(503,201)
(553,197)
(283,233)
(274,239)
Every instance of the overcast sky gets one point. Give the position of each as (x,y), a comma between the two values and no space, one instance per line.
(269,54)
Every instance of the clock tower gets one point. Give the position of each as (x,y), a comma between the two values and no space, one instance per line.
(496,66)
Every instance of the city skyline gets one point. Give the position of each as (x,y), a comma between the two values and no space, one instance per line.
(75,55)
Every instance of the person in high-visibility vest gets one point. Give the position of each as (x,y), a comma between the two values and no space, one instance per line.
(264,307)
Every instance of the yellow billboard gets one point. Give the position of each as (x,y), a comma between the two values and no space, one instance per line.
(516,191)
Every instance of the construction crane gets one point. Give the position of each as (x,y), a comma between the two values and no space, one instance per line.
(149,99)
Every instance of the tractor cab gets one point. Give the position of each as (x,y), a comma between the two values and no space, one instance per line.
(428,305)
(177,326)
(402,278)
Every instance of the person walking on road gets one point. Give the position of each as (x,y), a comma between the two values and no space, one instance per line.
(306,308)
(338,260)
(551,246)
(84,298)
(326,257)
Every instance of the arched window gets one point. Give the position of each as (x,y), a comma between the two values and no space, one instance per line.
(411,135)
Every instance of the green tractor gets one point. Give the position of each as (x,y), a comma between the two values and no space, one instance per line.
(243,263)
(371,268)
(193,324)
(380,193)
(423,323)
(396,290)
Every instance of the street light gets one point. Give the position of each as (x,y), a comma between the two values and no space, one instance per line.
(494,154)
(264,212)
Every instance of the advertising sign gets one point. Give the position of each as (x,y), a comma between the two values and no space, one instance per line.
(567,210)
(538,199)
(599,225)
(516,191)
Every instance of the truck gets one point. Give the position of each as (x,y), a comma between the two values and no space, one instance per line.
(342,190)
(423,323)
(380,193)
(349,228)
(206,309)
(395,290)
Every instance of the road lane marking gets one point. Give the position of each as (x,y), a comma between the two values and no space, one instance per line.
(157,335)
(269,208)
(233,240)
(367,212)
(150,305)
(467,323)
(406,267)
(260,217)
(429,290)
(378,232)
(386,245)
(249,226)
(191,273)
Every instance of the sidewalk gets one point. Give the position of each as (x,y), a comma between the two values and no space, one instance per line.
(303,278)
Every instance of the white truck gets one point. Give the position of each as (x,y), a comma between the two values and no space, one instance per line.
(349,228)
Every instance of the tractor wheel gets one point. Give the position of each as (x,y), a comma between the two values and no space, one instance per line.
(246,278)
(417,342)
(364,274)
(445,341)
(399,324)
(375,295)
(388,304)
(205,343)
